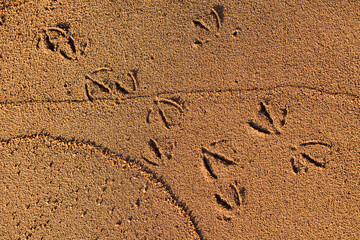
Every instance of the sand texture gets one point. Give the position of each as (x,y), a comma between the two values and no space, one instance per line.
(179,119)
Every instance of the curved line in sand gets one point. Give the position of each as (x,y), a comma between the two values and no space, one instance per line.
(150,175)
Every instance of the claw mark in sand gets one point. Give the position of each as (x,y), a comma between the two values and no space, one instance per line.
(148,116)
(171,102)
(133,75)
(265,112)
(239,194)
(217,156)
(258,127)
(155,147)
(101,86)
(298,166)
(201,24)
(88,93)
(312,160)
(102,69)
(309,143)
(150,161)
(121,89)
(209,167)
(218,12)
(163,118)
(284,114)
(222,202)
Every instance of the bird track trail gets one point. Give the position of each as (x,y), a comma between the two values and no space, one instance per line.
(88,122)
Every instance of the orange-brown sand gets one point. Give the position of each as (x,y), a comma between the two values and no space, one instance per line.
(179,119)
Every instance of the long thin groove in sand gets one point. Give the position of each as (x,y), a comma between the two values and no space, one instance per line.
(177,92)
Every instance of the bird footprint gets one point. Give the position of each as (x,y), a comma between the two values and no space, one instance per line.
(267,121)
(311,153)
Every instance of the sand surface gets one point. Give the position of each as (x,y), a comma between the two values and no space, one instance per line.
(179,119)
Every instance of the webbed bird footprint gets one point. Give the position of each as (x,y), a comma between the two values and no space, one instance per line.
(216,162)
(159,151)
(104,83)
(268,120)
(60,41)
(311,154)
(231,197)
(219,159)
(206,24)
(166,110)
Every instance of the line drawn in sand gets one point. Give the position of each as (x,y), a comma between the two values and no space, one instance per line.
(350,96)
(78,164)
